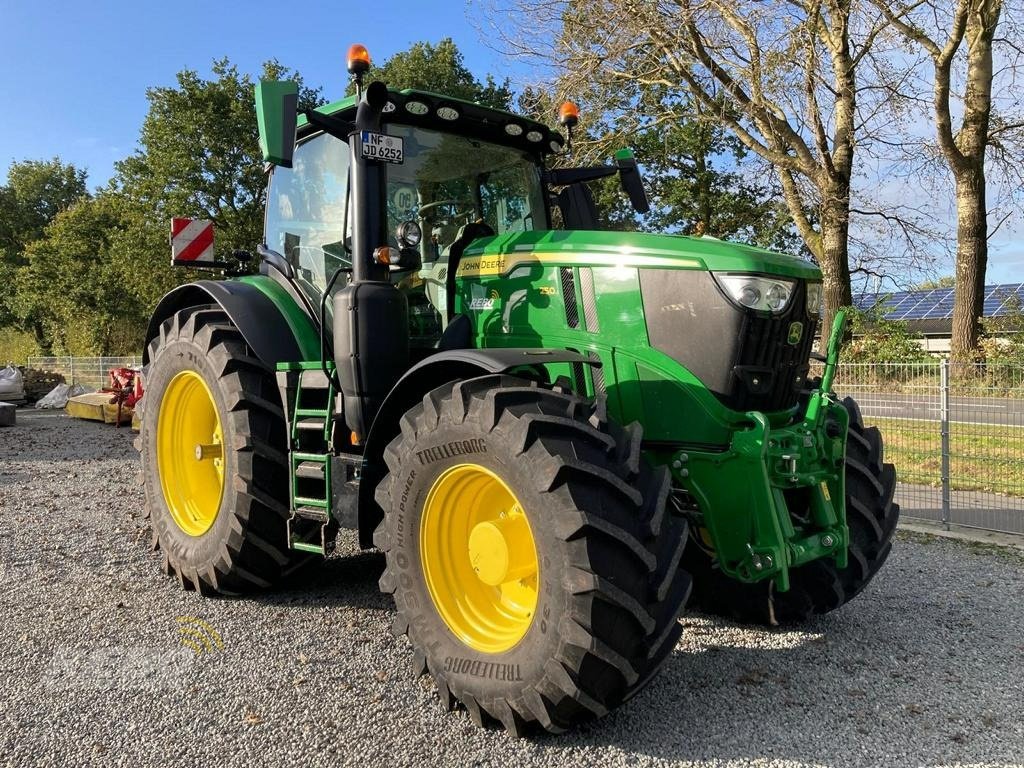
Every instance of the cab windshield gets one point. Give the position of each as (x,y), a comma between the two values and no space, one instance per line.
(447,181)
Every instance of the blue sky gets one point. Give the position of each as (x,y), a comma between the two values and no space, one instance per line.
(73,75)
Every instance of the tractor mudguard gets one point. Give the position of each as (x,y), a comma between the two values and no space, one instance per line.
(273,326)
(428,374)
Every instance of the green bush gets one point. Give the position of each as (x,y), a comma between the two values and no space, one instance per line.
(16,347)
(1002,349)
(877,341)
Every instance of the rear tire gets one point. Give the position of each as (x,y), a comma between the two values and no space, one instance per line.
(608,586)
(820,586)
(244,546)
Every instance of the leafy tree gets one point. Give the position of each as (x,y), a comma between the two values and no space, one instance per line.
(35,192)
(90,270)
(440,68)
(72,286)
(691,166)
(198,157)
(946,281)
(697,187)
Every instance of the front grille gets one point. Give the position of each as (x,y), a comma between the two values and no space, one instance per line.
(745,358)
(765,346)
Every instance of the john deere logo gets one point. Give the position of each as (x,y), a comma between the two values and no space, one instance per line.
(796,330)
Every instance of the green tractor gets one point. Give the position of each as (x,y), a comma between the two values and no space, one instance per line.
(554,435)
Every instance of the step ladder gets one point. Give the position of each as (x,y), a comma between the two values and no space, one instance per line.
(309,397)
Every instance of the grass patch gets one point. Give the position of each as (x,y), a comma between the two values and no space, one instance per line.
(983,457)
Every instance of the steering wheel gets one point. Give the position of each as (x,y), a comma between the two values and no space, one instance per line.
(457,214)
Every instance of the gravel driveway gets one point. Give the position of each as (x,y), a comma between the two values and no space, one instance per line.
(925,668)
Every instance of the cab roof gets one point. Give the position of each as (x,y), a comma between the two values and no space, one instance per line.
(425,109)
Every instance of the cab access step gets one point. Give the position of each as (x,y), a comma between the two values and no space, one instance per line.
(309,397)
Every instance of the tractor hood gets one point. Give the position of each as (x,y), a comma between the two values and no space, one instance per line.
(502,253)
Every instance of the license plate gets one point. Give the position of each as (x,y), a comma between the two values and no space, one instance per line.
(380,146)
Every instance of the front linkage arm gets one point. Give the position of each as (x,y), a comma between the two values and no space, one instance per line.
(742,492)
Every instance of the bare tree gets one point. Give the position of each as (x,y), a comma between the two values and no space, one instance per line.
(780,75)
(961,34)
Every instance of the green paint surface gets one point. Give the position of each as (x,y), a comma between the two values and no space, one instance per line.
(298,321)
(731,463)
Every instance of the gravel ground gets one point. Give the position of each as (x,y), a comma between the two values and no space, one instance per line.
(923,669)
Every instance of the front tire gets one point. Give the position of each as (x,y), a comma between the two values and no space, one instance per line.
(818,587)
(529,552)
(214,466)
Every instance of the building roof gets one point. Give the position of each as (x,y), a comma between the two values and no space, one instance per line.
(937,304)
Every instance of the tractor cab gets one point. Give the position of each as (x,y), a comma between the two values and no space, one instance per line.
(425,175)
(443,171)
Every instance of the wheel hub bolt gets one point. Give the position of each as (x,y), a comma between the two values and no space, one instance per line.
(208,451)
(827,540)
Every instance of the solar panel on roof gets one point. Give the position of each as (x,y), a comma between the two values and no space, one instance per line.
(943,308)
(937,303)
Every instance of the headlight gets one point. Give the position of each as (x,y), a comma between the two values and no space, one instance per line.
(764,294)
(814,293)
(408,234)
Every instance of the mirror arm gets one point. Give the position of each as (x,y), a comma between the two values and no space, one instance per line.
(339,129)
(560,177)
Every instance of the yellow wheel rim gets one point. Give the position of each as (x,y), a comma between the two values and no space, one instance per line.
(479,558)
(190,454)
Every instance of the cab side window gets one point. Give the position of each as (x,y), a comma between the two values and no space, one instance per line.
(306,211)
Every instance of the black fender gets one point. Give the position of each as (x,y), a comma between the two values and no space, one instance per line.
(428,374)
(257,318)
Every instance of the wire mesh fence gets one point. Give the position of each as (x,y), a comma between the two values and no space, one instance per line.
(88,371)
(955,434)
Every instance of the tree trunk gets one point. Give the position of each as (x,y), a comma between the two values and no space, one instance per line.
(971,261)
(834,259)
(968,164)
(43,340)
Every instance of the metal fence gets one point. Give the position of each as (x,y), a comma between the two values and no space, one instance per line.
(88,371)
(955,434)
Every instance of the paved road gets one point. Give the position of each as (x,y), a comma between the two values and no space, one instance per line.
(977,509)
(925,406)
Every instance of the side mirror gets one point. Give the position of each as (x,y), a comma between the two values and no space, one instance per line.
(632,182)
(277,114)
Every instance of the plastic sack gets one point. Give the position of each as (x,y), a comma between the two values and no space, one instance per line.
(11,384)
(58,396)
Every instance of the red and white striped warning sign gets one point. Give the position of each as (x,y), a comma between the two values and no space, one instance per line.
(191,241)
